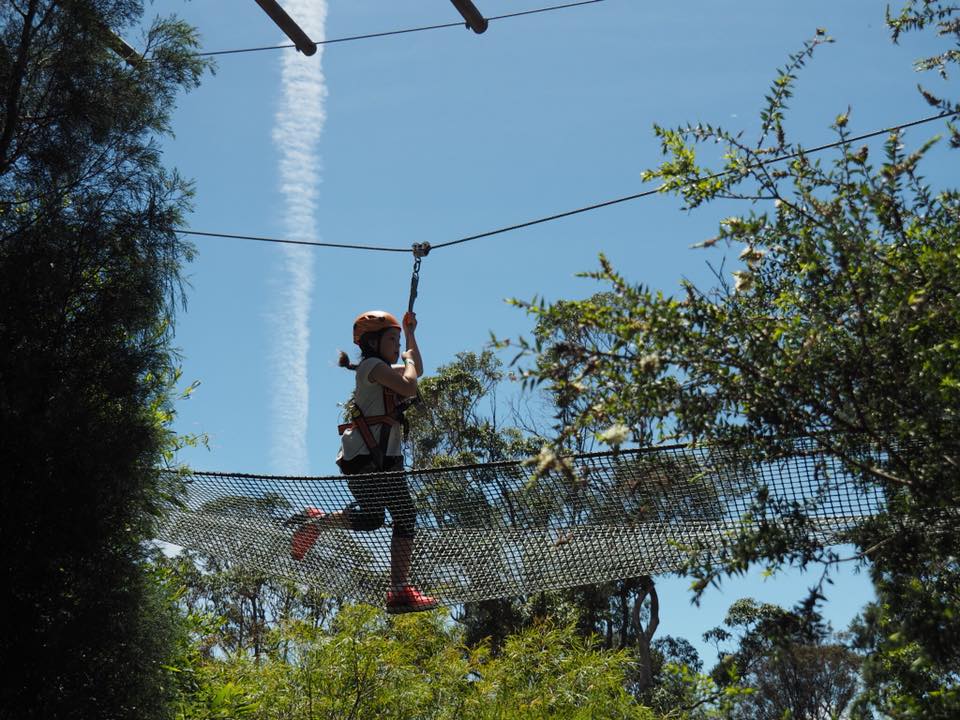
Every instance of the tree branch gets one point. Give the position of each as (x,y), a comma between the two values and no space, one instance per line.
(14,90)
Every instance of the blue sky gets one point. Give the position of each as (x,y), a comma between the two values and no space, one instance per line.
(433,136)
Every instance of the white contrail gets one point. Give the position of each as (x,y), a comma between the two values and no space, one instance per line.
(299,121)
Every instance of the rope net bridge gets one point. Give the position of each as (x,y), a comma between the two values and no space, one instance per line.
(500,530)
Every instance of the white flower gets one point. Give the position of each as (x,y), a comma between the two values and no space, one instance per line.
(649,362)
(751,255)
(546,460)
(615,435)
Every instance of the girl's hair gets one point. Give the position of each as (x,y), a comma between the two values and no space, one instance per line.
(369,347)
(344,361)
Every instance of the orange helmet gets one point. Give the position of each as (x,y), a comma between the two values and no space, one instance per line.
(373,321)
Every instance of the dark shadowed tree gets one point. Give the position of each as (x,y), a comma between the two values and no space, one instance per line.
(89,274)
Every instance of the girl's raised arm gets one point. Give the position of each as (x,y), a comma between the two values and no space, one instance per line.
(403,382)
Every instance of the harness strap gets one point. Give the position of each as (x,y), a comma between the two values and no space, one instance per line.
(393,415)
(363,424)
(389,402)
(378,450)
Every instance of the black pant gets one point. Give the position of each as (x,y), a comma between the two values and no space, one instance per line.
(374,495)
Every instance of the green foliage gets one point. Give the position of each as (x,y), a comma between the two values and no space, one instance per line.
(904,673)
(89,274)
(549,671)
(361,663)
(916,15)
(839,325)
(246,604)
(677,686)
(456,421)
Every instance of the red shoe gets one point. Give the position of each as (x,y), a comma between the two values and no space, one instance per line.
(409,599)
(306,535)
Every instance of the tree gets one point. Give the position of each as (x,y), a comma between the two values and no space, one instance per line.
(548,671)
(89,276)
(677,687)
(786,665)
(838,333)
(916,15)
(614,610)
(456,421)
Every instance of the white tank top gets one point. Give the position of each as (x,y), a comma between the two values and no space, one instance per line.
(369,398)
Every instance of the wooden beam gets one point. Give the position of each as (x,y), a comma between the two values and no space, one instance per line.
(290,28)
(122,48)
(475,21)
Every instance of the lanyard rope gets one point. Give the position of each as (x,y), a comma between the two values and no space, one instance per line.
(420,251)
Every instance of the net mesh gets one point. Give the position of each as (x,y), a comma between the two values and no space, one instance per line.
(500,529)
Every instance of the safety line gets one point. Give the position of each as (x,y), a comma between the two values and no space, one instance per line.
(654,191)
(587,208)
(293,242)
(398,32)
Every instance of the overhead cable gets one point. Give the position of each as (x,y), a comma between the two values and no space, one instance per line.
(286,241)
(654,191)
(586,208)
(387,33)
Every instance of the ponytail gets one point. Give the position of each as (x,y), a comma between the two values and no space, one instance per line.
(344,361)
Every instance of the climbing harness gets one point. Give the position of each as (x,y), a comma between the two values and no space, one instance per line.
(392,415)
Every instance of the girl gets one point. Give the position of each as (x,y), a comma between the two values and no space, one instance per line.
(371,443)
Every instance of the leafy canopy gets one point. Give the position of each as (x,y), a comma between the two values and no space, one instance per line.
(838,326)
